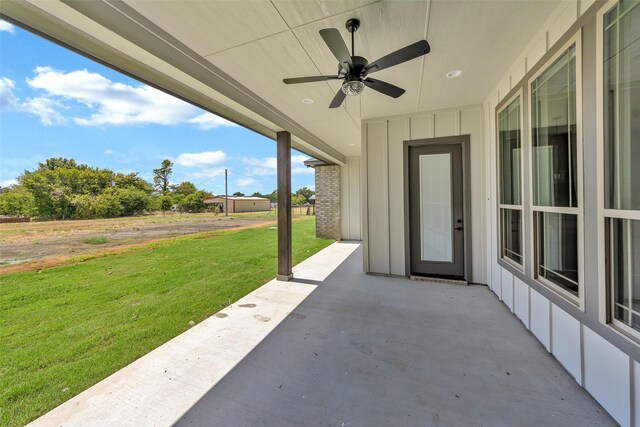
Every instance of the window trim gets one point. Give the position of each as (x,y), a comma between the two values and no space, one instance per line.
(606,298)
(578,301)
(500,206)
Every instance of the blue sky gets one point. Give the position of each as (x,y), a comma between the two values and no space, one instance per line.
(56,103)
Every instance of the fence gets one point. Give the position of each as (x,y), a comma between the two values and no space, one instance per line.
(7,220)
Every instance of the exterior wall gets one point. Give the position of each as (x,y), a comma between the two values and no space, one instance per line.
(383,184)
(249,205)
(328,202)
(350,199)
(236,205)
(600,359)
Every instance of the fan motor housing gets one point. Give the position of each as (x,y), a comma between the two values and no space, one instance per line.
(359,63)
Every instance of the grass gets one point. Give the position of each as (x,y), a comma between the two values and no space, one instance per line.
(96,240)
(66,328)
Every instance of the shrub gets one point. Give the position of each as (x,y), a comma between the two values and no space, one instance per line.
(96,240)
(134,201)
(107,205)
(193,202)
(17,202)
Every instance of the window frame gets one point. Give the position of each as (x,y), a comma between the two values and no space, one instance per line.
(500,206)
(606,289)
(579,300)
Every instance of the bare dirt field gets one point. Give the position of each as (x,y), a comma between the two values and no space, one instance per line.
(28,246)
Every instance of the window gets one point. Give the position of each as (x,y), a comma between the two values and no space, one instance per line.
(510,155)
(556,173)
(621,104)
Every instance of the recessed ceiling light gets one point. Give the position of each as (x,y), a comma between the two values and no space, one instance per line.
(453,74)
(307,101)
(351,145)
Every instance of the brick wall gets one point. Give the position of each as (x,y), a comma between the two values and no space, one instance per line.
(328,202)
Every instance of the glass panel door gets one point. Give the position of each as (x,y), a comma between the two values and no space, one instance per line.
(436,214)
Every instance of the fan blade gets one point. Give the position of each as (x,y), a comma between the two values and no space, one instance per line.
(337,100)
(334,41)
(295,80)
(405,54)
(384,87)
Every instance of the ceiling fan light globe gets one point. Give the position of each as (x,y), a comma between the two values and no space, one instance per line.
(353,88)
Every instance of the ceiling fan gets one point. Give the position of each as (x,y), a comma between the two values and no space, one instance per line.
(355,70)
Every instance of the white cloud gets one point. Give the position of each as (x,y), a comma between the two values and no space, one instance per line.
(201,160)
(269,165)
(118,104)
(46,109)
(263,166)
(8,101)
(8,182)
(5,26)
(246,182)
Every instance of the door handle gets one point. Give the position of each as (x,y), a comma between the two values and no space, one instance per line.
(458,228)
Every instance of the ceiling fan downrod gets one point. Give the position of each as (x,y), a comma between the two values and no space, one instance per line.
(352,26)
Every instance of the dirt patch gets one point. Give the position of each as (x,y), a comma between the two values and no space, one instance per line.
(60,242)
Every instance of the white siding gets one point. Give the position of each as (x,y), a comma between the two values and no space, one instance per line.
(398,133)
(507,288)
(350,199)
(540,318)
(377,188)
(565,341)
(383,151)
(607,376)
(521,300)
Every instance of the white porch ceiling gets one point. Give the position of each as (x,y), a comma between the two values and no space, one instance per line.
(259,42)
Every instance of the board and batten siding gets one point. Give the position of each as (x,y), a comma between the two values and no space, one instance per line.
(599,359)
(350,212)
(383,174)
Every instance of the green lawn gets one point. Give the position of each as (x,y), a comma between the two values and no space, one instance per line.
(64,329)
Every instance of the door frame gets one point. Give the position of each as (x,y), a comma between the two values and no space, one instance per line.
(465,143)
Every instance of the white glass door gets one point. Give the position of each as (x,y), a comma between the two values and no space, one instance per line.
(436,208)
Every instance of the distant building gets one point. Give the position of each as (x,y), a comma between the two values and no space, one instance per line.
(240,204)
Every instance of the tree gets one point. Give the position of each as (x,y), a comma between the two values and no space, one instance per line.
(57,181)
(130,180)
(165,203)
(133,200)
(161,176)
(58,162)
(193,202)
(17,201)
(305,192)
(185,188)
(107,205)
(238,194)
(60,188)
(297,199)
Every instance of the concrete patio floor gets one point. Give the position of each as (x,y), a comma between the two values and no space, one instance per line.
(377,351)
(337,347)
